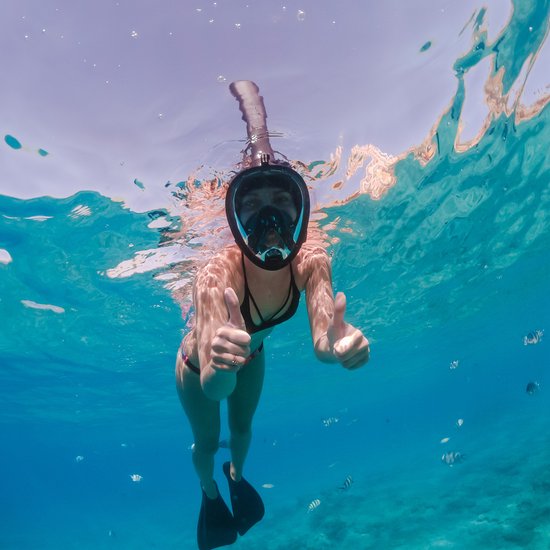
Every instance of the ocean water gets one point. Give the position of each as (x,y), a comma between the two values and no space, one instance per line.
(443,251)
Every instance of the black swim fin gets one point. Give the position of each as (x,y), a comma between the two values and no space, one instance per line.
(248,508)
(216,525)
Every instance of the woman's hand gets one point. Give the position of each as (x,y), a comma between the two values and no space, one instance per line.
(231,343)
(347,343)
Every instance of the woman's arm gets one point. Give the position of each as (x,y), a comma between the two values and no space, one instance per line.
(320,301)
(334,340)
(223,344)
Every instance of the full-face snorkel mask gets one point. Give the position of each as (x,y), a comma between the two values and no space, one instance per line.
(267,208)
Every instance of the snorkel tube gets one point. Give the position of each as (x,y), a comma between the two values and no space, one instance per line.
(251,105)
(271,238)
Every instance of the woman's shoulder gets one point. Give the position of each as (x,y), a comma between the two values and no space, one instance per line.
(312,253)
(311,257)
(223,267)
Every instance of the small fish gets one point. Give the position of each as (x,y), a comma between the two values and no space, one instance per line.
(330,421)
(532,388)
(79,458)
(348,482)
(268,485)
(136,478)
(452,457)
(459,422)
(313,504)
(533,338)
(445,440)
(454,364)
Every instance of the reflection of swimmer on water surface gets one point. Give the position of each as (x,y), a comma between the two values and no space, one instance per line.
(239,296)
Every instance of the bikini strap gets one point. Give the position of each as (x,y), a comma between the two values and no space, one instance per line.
(248,294)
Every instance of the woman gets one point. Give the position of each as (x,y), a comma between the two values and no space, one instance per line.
(239,296)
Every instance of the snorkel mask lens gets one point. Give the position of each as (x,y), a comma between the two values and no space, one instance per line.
(267,209)
(269,232)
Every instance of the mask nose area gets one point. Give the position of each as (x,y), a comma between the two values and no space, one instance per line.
(269,228)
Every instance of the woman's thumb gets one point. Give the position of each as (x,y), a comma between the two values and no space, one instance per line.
(338,318)
(234,309)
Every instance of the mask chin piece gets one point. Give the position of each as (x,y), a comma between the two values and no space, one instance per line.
(274,260)
(273,254)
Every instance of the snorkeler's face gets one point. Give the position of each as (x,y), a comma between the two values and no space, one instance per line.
(267,209)
(255,199)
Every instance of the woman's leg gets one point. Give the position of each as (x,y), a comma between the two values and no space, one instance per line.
(241,406)
(204,417)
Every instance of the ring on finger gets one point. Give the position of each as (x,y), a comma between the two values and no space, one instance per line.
(234,362)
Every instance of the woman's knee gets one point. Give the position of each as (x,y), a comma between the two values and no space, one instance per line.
(206,446)
(241,429)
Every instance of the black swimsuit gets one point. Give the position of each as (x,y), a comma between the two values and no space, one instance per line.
(275,319)
(251,328)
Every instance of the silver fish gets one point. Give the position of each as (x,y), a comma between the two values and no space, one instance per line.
(348,482)
(313,504)
(533,338)
(330,421)
(452,457)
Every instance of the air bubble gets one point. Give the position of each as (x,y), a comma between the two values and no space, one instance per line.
(134,34)
(301,15)
(221,78)
(237,25)
(160,116)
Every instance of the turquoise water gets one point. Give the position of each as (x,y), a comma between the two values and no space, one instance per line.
(446,273)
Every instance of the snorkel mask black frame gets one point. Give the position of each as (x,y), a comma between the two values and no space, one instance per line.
(250,236)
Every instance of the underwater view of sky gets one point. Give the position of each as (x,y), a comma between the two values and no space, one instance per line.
(422,131)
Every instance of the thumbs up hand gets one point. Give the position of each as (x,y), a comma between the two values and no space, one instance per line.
(348,344)
(231,343)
